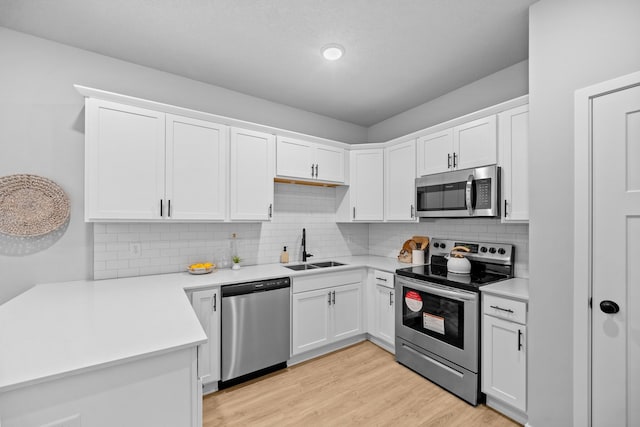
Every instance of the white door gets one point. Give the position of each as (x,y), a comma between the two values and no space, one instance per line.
(435,153)
(206,304)
(252,172)
(367,185)
(294,158)
(384,314)
(310,320)
(504,361)
(124,153)
(347,311)
(513,140)
(616,259)
(196,169)
(400,175)
(329,163)
(475,143)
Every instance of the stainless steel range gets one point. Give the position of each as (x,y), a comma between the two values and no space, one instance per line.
(438,318)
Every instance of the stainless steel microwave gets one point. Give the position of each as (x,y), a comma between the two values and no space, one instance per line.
(462,193)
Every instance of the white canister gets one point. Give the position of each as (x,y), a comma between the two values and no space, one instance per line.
(417,257)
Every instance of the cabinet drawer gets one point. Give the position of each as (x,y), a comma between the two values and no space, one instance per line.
(383,278)
(321,280)
(505,308)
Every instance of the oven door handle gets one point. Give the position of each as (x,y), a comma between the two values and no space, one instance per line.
(460,296)
(468,193)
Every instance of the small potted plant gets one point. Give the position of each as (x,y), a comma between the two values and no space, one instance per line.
(236,262)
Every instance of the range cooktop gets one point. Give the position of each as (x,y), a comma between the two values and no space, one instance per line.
(490,263)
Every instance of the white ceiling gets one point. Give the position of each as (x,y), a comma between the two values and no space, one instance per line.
(399,53)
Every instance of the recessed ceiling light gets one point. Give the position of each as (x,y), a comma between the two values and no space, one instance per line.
(332,51)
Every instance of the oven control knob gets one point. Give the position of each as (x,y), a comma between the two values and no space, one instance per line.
(436,244)
(442,245)
(483,249)
(501,251)
(492,250)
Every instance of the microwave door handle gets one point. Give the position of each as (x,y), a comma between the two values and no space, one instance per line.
(468,194)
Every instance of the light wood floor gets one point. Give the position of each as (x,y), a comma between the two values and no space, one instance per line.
(359,385)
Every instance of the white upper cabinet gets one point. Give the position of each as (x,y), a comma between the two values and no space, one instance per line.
(434,152)
(252,173)
(363,200)
(399,182)
(513,139)
(475,143)
(309,161)
(146,165)
(465,146)
(196,169)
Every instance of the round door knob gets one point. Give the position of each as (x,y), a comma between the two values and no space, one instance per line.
(609,307)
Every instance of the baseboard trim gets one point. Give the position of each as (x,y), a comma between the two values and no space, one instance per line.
(312,354)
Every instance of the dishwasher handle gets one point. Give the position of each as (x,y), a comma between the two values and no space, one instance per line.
(254,287)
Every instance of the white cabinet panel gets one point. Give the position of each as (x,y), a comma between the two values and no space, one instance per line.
(294,158)
(329,163)
(505,361)
(207,307)
(124,160)
(384,321)
(196,169)
(310,320)
(475,143)
(252,172)
(399,188)
(367,185)
(434,152)
(347,311)
(513,139)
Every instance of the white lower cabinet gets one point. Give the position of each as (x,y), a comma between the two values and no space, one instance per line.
(206,304)
(381,309)
(504,355)
(326,308)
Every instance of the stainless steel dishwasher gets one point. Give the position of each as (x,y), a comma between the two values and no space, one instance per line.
(255,328)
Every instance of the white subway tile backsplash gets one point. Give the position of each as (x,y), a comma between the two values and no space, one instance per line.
(170,247)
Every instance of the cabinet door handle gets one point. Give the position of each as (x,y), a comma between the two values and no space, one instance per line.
(413,215)
(316,170)
(448,160)
(312,175)
(334,298)
(161,207)
(354,212)
(169,208)
(519,339)
(381,278)
(214,302)
(508,310)
(270,210)
(329,299)
(390,298)
(454,161)
(505,208)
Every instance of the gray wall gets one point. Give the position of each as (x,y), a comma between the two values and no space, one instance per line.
(572,44)
(503,85)
(42,132)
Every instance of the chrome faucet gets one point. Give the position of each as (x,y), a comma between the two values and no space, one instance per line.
(305,255)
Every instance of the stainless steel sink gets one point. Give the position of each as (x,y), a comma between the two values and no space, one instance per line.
(299,267)
(327,264)
(324,264)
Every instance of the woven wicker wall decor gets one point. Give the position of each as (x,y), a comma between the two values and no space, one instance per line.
(31,206)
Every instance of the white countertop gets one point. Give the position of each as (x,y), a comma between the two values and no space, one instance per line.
(58,329)
(517,288)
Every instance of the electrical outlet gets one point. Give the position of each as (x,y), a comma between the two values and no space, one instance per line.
(72,421)
(134,249)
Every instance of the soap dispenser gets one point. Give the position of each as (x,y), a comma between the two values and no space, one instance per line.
(284,256)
